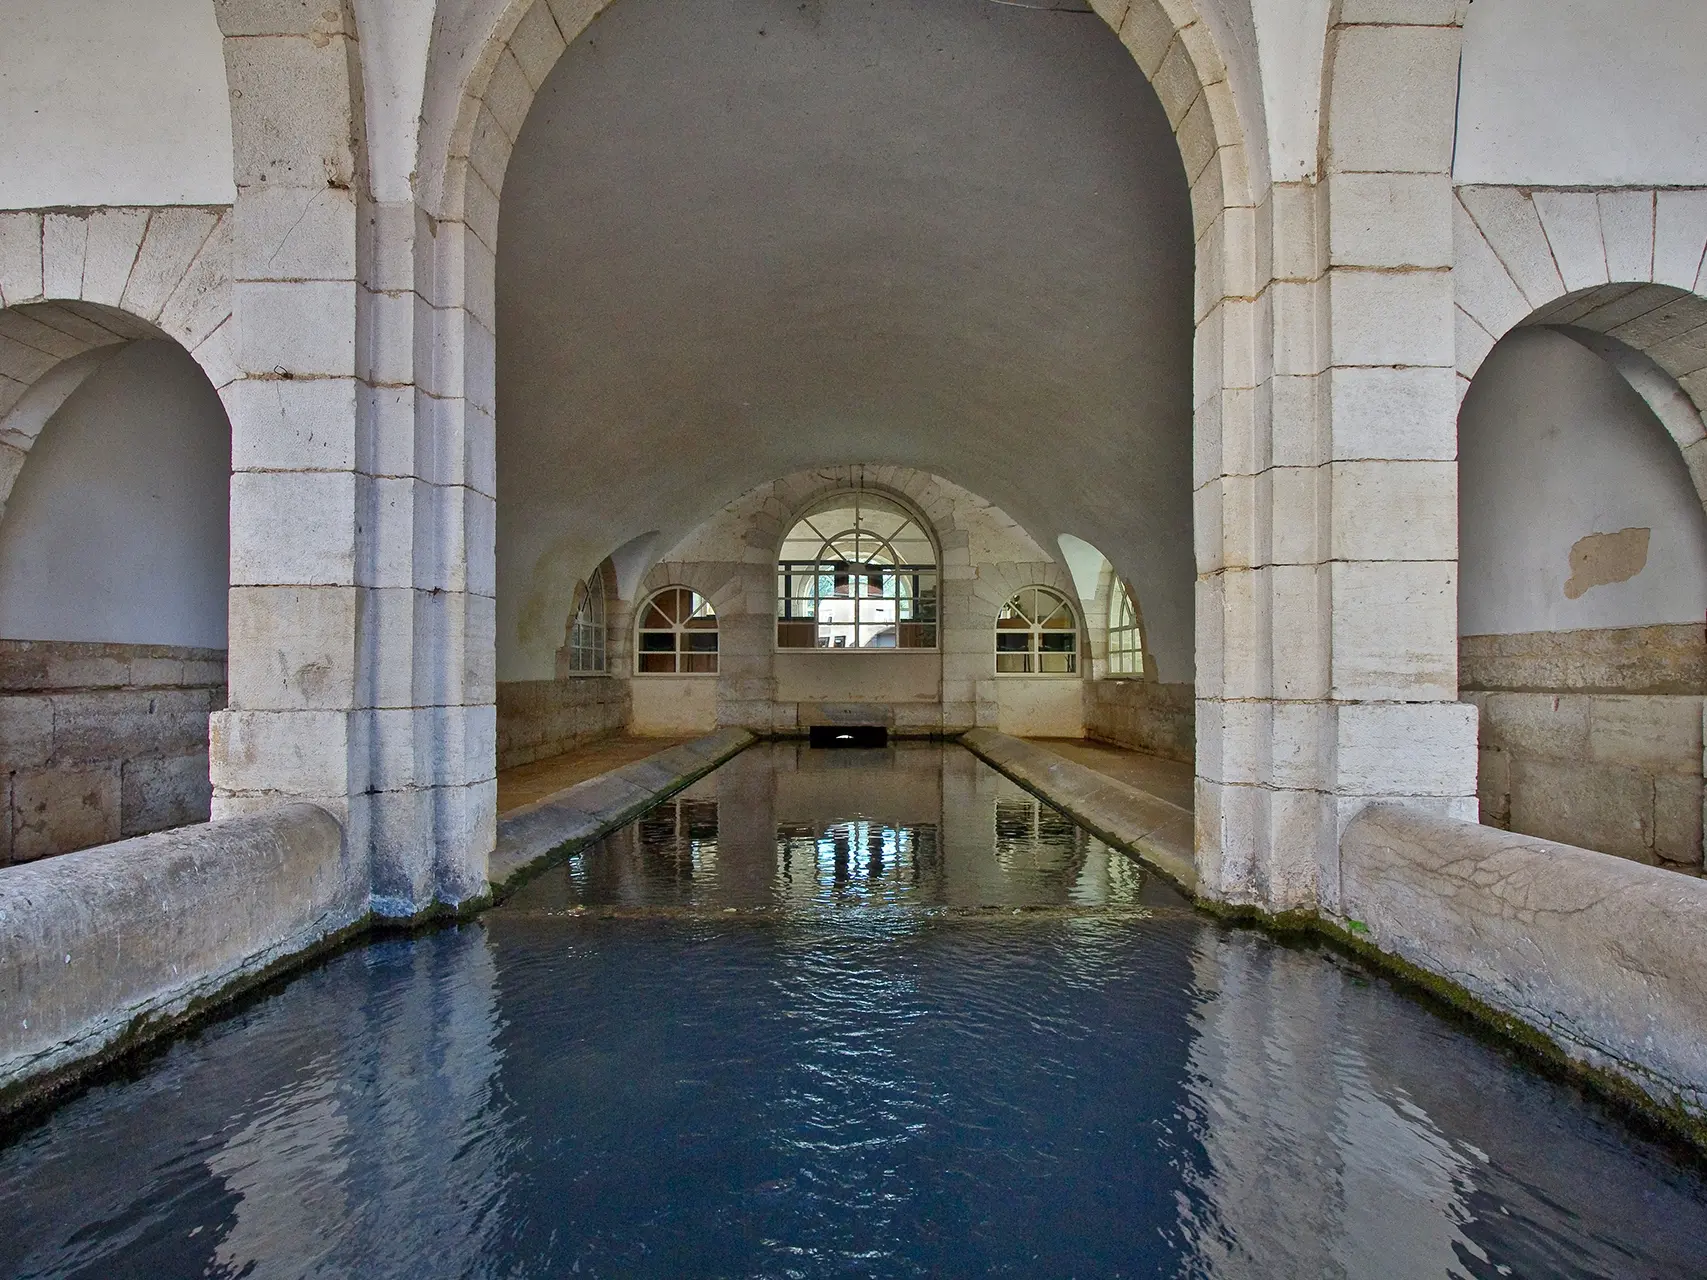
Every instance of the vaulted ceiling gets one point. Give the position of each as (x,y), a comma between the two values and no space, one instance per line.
(740,238)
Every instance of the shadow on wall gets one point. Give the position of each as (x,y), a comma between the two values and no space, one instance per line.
(1582,595)
(113,581)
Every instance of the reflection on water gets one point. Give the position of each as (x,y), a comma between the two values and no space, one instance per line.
(832,1090)
(789,828)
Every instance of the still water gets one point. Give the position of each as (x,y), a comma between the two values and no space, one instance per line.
(841,1014)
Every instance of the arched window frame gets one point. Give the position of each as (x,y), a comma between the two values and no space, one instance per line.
(680,625)
(904,590)
(588,653)
(1031,617)
(1125,635)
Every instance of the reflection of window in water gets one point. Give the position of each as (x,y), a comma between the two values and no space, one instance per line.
(1035,837)
(858,857)
(679,837)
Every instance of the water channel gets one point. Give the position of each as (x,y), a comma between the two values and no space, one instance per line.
(874,1013)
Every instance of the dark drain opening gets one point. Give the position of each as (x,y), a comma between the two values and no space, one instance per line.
(848,735)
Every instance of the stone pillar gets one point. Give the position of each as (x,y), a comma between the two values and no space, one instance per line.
(1390,470)
(362,511)
(290,731)
(1326,512)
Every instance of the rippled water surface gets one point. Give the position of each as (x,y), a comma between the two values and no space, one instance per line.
(833,1015)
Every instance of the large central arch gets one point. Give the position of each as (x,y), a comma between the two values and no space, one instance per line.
(479,94)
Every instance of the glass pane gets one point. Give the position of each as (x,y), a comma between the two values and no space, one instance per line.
(1013,663)
(1055,663)
(699,663)
(655,617)
(915,635)
(657,642)
(699,641)
(658,663)
(837,567)
(1013,642)
(1061,618)
(1057,641)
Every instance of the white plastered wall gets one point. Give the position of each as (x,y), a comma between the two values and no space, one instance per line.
(1583,93)
(1554,447)
(106,102)
(115,531)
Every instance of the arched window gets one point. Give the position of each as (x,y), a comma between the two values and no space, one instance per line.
(1125,645)
(677,634)
(1036,634)
(587,631)
(857,572)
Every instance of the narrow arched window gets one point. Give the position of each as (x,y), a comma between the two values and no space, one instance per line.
(1037,634)
(1125,643)
(587,631)
(677,635)
(857,572)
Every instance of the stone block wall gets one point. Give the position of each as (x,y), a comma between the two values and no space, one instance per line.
(1144,715)
(538,719)
(99,742)
(1593,738)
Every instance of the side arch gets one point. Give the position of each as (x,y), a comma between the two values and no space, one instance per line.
(77,285)
(1621,273)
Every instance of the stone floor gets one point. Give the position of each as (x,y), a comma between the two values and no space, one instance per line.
(529,782)
(1168,780)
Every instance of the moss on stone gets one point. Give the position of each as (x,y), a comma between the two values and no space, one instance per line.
(1669,1120)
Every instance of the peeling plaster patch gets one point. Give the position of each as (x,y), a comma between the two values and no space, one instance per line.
(1602,558)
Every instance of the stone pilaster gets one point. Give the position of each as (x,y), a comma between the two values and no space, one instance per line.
(291,731)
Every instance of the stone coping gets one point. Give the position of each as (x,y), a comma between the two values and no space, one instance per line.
(536,834)
(1602,956)
(108,946)
(1158,834)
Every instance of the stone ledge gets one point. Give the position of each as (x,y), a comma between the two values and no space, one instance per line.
(1158,834)
(1659,659)
(1600,955)
(536,834)
(102,948)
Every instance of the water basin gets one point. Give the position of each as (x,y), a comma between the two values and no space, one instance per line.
(841,1014)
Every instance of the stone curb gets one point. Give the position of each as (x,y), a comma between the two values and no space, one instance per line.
(1158,834)
(1598,954)
(109,946)
(533,835)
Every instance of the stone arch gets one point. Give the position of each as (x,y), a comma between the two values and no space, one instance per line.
(778,529)
(76,286)
(482,83)
(1619,272)
(1171,43)
(722,591)
(479,101)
